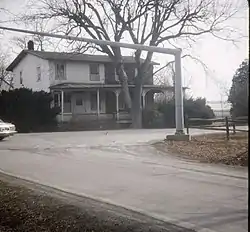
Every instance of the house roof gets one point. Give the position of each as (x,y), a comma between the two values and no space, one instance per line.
(72,85)
(63,56)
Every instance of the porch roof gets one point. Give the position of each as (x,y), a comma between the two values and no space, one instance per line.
(88,86)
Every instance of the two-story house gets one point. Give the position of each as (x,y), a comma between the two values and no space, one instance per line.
(84,86)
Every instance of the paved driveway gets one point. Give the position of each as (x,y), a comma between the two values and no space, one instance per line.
(121,167)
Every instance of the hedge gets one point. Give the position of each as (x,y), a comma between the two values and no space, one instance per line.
(29,111)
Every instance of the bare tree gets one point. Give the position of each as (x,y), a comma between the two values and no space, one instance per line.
(6,78)
(149,22)
(163,77)
(41,43)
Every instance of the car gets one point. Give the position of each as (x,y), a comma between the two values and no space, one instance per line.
(6,129)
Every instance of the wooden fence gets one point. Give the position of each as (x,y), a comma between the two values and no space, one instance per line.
(226,124)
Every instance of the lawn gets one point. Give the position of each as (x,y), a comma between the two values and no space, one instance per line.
(211,148)
(27,207)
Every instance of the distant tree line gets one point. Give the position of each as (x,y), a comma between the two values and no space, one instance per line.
(239,92)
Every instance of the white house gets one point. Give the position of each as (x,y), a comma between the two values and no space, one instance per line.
(84,86)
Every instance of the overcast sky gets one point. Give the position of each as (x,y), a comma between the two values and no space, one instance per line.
(222,58)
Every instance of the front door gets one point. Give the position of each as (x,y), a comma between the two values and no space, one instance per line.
(80,103)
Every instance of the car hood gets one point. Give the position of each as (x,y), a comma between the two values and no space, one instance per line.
(5,124)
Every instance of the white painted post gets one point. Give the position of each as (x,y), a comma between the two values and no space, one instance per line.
(117,104)
(179,115)
(98,102)
(143,99)
(62,105)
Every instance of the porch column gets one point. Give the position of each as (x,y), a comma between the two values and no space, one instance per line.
(52,104)
(144,92)
(98,102)
(62,105)
(117,93)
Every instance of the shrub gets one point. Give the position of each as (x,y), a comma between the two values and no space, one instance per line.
(152,119)
(193,108)
(29,111)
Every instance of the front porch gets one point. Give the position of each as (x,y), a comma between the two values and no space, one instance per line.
(98,102)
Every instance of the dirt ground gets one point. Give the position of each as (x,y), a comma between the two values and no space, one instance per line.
(211,148)
(28,207)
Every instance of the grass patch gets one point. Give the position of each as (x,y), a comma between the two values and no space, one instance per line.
(211,148)
(26,207)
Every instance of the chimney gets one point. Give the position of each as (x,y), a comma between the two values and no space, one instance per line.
(31,45)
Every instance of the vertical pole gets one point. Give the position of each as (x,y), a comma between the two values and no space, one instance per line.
(71,104)
(98,102)
(59,100)
(187,124)
(53,100)
(62,105)
(179,115)
(227,128)
(117,104)
(143,100)
(234,129)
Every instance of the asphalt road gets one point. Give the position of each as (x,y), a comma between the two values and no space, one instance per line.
(120,167)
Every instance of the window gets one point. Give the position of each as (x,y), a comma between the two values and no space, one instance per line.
(94,68)
(93,101)
(79,101)
(94,72)
(57,100)
(60,72)
(21,77)
(38,73)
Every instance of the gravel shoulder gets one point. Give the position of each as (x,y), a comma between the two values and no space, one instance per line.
(210,148)
(26,206)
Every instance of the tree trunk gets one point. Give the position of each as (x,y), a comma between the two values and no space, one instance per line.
(124,83)
(136,112)
(134,106)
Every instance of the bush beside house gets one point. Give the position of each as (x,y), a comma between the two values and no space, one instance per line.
(163,116)
(29,111)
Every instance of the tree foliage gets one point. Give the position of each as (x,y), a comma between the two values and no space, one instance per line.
(239,92)
(29,111)
(164,113)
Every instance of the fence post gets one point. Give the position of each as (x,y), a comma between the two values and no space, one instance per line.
(234,129)
(227,128)
(187,124)
(234,126)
